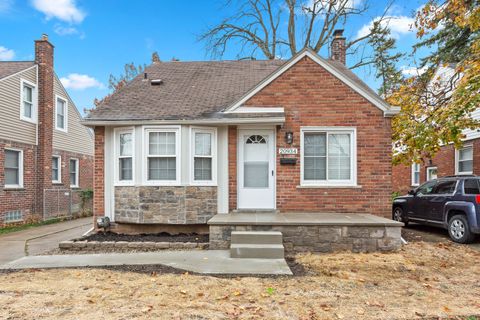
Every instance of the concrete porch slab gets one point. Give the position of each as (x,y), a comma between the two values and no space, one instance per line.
(200,261)
(302,219)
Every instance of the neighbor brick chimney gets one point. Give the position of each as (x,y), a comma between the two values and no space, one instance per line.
(338,47)
(46,105)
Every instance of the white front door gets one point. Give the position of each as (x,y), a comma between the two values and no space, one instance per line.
(256,169)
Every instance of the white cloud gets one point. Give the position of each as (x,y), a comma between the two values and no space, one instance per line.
(6,54)
(64,31)
(65,10)
(413,71)
(6,5)
(399,25)
(77,81)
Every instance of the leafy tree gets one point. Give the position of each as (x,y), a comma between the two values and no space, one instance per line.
(384,60)
(435,109)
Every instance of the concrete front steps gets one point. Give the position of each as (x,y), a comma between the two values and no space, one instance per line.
(257,245)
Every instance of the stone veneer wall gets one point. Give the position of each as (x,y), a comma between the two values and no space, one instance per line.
(317,238)
(165,204)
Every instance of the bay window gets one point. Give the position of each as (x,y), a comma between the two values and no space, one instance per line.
(124,150)
(203,155)
(162,160)
(328,156)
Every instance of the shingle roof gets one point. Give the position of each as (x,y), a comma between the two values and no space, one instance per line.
(10,67)
(189,90)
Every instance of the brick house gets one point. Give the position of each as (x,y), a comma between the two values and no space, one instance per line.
(448,161)
(45,152)
(189,140)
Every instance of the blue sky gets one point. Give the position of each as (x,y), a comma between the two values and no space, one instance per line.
(95,38)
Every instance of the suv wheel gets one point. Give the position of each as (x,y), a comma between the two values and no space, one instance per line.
(459,230)
(397,215)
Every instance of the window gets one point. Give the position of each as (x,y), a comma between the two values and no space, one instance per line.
(471,186)
(426,188)
(13,216)
(162,156)
(445,187)
(203,151)
(61,114)
(432,173)
(56,169)
(13,168)
(28,110)
(464,163)
(73,166)
(124,146)
(415,174)
(328,156)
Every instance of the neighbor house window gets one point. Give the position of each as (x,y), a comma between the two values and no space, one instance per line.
(61,114)
(124,151)
(432,173)
(13,167)
(328,156)
(415,174)
(203,151)
(464,161)
(73,166)
(56,169)
(28,110)
(162,155)
(13,216)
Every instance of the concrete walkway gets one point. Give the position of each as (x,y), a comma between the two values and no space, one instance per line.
(40,239)
(200,261)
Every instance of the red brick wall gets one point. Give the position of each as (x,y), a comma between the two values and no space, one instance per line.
(313,97)
(232,167)
(85,168)
(99,173)
(444,161)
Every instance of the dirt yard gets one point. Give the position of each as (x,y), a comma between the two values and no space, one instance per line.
(423,281)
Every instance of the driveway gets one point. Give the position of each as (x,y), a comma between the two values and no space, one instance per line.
(417,232)
(36,240)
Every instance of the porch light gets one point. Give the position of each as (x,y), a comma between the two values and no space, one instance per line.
(289,137)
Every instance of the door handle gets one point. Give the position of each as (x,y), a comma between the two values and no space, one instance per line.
(272,173)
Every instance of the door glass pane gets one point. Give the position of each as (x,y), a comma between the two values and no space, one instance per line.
(256,162)
(162,168)
(202,169)
(203,144)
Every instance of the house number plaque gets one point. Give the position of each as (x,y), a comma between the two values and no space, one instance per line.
(287,150)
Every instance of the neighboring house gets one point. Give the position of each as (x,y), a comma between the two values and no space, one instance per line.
(45,152)
(188,140)
(448,161)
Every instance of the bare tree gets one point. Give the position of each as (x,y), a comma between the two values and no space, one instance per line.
(278,27)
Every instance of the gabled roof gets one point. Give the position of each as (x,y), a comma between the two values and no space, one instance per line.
(7,68)
(204,90)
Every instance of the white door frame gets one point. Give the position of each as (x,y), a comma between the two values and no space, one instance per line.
(270,130)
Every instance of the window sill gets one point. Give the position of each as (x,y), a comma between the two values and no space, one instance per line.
(61,130)
(326,186)
(57,182)
(13,188)
(33,121)
(74,187)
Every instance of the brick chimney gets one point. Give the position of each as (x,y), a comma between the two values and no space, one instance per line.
(338,47)
(46,105)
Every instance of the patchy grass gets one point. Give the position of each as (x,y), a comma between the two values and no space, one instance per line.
(14,228)
(422,281)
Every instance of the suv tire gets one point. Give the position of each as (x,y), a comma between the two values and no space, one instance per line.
(399,215)
(459,229)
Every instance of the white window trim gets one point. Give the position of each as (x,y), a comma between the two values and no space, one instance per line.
(428,170)
(412,179)
(178,147)
(213,132)
(353,161)
(33,119)
(59,180)
(116,166)
(77,173)
(65,116)
(457,160)
(20,170)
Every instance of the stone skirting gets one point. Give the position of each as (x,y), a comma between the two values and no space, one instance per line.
(318,238)
(165,204)
(125,246)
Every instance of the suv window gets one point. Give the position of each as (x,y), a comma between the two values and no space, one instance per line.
(426,188)
(470,186)
(445,187)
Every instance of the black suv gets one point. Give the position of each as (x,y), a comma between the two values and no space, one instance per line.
(451,202)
